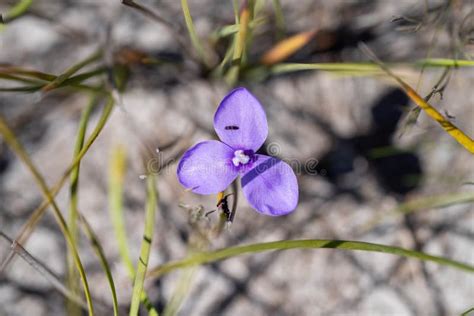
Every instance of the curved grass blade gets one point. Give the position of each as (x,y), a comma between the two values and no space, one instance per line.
(412,116)
(16,11)
(279,19)
(20,151)
(20,71)
(432,112)
(142,264)
(192,33)
(243,20)
(424,203)
(116,180)
(18,78)
(29,226)
(73,200)
(468,312)
(212,256)
(103,260)
(437,201)
(44,271)
(71,71)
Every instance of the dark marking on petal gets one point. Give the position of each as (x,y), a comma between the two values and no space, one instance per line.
(258,170)
(232,127)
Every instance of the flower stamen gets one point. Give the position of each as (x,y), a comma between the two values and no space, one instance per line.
(240,158)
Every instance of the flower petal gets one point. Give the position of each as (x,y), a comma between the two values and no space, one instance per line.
(271,186)
(240,120)
(207,168)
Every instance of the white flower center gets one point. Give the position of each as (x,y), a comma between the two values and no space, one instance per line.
(240,158)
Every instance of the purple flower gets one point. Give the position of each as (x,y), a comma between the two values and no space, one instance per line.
(209,167)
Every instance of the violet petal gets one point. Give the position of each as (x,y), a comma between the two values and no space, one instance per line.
(240,120)
(206,168)
(270,186)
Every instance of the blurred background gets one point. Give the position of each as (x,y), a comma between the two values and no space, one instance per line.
(359,158)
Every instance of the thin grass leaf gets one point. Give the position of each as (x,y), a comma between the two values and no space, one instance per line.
(279,19)
(117,171)
(73,200)
(44,271)
(12,141)
(116,179)
(468,312)
(33,220)
(181,290)
(103,260)
(18,78)
(17,10)
(235,7)
(420,204)
(71,71)
(219,70)
(234,28)
(37,78)
(350,67)
(445,62)
(142,264)
(414,113)
(437,201)
(287,47)
(20,71)
(30,89)
(192,33)
(76,80)
(212,256)
(239,45)
(448,126)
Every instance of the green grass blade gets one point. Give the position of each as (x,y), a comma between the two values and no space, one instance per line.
(279,19)
(142,264)
(20,71)
(445,62)
(192,33)
(11,77)
(116,179)
(240,38)
(73,192)
(234,28)
(12,141)
(468,312)
(118,166)
(103,260)
(75,82)
(350,67)
(17,10)
(72,70)
(44,271)
(207,257)
(28,228)
(369,68)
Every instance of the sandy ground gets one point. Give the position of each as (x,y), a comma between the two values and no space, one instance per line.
(317,119)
